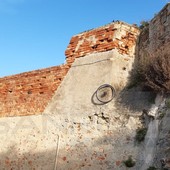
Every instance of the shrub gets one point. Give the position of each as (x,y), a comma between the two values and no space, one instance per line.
(140,134)
(141,67)
(157,74)
(161,115)
(143,24)
(154,71)
(129,162)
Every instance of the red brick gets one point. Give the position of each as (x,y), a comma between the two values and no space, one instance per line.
(29,93)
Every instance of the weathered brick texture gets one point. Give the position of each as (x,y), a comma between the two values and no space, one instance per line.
(116,35)
(29,93)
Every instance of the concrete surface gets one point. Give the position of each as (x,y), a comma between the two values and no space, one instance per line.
(94,137)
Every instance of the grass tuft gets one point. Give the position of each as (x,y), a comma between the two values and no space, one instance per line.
(129,162)
(140,134)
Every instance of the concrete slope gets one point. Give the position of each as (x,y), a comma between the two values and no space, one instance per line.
(85,76)
(93,135)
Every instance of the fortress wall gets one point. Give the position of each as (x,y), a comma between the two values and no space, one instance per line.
(28,93)
(95,134)
(154,40)
(74,132)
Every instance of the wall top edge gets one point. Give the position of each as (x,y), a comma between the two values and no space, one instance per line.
(22,74)
(159,13)
(117,22)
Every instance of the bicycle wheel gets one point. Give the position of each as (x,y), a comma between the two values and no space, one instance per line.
(105,93)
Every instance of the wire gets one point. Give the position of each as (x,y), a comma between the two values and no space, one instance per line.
(100,99)
(91,63)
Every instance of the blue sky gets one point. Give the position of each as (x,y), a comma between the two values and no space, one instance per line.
(35,33)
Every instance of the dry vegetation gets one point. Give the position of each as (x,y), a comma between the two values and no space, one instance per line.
(158,73)
(155,72)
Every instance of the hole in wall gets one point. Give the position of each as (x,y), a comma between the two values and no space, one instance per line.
(94,47)
(126,46)
(101,40)
(29,92)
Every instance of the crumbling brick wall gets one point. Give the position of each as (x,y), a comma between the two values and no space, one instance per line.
(116,35)
(29,93)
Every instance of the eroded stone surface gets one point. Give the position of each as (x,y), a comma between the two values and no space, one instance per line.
(74,132)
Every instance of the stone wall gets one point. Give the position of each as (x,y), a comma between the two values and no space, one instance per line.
(116,35)
(154,39)
(29,93)
(74,131)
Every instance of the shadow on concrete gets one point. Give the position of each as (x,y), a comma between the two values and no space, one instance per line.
(137,96)
(135,99)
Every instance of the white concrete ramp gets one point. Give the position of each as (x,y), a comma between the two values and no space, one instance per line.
(92,136)
(85,76)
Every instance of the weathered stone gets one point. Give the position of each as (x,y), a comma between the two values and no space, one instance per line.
(75,132)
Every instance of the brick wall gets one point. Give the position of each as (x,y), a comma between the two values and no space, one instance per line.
(29,93)
(116,35)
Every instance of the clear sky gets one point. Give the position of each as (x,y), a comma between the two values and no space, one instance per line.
(35,33)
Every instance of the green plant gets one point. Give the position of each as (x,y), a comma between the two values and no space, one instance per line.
(129,162)
(152,168)
(143,24)
(140,134)
(157,74)
(161,115)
